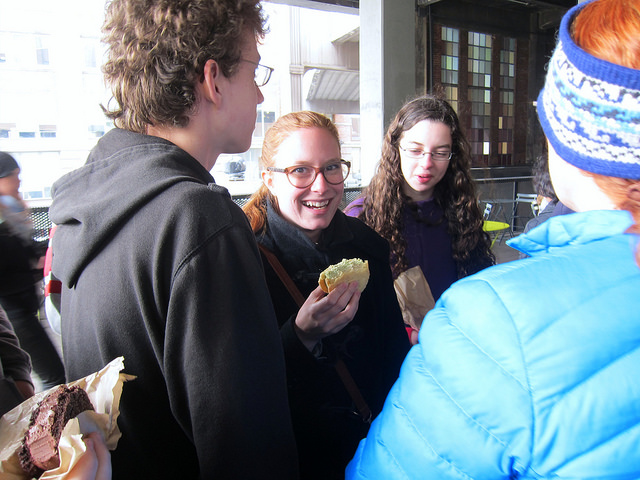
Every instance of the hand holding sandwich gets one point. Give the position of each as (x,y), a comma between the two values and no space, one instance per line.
(324,314)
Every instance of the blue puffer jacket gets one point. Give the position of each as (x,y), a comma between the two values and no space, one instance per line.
(530,369)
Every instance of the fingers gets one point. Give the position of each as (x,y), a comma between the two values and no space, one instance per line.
(87,465)
(342,295)
(323,315)
(413,337)
(25,389)
(95,463)
(103,455)
(342,307)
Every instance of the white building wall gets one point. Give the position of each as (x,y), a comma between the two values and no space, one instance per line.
(65,94)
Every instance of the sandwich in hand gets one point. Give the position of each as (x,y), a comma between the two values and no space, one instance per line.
(347,271)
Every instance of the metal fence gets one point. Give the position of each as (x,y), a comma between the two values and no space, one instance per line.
(494,186)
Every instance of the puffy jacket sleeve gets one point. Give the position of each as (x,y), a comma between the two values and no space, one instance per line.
(461,408)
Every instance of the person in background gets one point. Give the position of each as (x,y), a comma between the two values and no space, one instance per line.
(548,203)
(14,208)
(295,217)
(159,265)
(509,383)
(20,270)
(15,368)
(422,198)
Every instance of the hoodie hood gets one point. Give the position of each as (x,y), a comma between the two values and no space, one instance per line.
(123,172)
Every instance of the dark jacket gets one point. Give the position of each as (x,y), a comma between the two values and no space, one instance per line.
(14,365)
(160,266)
(17,257)
(372,346)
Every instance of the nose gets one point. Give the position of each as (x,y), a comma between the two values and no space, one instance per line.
(319,184)
(260,96)
(426,160)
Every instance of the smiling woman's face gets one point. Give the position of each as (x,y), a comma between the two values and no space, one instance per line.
(312,208)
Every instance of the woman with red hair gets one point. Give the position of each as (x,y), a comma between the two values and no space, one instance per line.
(296,218)
(511,382)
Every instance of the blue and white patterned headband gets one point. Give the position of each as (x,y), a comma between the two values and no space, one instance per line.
(590,109)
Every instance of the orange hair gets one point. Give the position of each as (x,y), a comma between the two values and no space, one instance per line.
(610,30)
(256,207)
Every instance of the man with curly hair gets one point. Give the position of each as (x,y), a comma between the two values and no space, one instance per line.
(158,264)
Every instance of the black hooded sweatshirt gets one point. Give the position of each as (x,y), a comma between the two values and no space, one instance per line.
(160,266)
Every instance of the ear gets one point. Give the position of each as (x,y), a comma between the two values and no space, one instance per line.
(267,179)
(212,82)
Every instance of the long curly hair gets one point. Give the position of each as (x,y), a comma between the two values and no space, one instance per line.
(256,206)
(384,199)
(157,50)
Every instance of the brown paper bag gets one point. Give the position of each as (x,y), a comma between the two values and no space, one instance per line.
(414,296)
(104,389)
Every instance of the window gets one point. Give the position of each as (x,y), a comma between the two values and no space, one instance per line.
(450,59)
(264,120)
(48,131)
(93,50)
(506,114)
(42,51)
(477,72)
(3,47)
(96,130)
(479,94)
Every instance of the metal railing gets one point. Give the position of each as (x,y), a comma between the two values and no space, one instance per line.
(495,185)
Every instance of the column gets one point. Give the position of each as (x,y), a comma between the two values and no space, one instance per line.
(387,70)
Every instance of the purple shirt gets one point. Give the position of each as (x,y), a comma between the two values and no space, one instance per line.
(428,243)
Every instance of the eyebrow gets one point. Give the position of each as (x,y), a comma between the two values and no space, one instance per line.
(308,164)
(445,145)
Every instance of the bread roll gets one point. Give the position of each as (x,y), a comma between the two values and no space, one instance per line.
(347,271)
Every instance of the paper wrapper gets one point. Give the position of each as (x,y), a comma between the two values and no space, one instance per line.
(104,389)
(414,296)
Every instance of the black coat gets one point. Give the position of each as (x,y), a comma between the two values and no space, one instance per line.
(373,345)
(160,266)
(17,257)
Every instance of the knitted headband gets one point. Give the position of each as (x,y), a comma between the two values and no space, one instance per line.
(589,109)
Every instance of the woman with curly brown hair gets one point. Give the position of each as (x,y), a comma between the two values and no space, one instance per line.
(422,198)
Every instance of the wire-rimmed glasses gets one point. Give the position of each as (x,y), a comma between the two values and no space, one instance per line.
(262,73)
(437,156)
(302,176)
